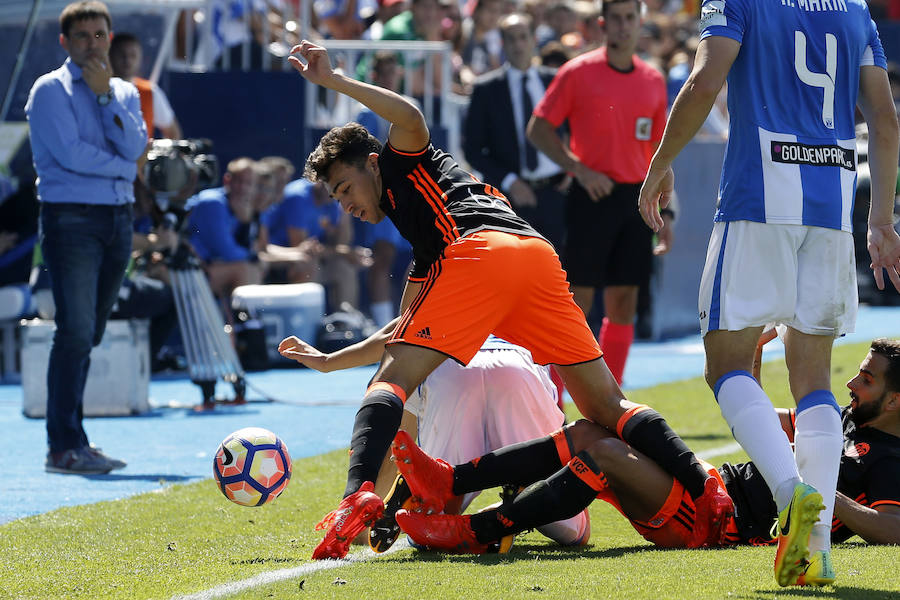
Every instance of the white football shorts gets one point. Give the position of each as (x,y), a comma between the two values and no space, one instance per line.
(795,275)
(502,397)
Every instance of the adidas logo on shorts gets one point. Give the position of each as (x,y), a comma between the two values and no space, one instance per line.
(424,333)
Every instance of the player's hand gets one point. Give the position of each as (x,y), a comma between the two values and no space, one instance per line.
(521,194)
(656,192)
(597,185)
(315,66)
(884,248)
(764,338)
(308,356)
(664,238)
(96,73)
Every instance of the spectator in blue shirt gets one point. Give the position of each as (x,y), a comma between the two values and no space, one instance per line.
(87,136)
(310,222)
(221,227)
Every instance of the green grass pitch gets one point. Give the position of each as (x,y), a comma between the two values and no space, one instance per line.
(186,539)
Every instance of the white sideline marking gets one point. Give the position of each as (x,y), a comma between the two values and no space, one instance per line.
(719,451)
(227,589)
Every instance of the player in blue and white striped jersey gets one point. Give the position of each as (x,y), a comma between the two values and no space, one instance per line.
(781,249)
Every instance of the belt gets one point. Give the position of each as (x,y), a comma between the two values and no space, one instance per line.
(545,181)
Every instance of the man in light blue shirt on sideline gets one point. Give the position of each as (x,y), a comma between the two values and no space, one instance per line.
(87,136)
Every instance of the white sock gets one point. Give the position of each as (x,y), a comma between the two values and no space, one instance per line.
(383,312)
(818,445)
(755,425)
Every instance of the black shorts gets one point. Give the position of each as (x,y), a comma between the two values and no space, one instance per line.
(607,241)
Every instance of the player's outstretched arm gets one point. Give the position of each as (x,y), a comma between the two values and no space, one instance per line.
(714,58)
(366,352)
(409,131)
(362,353)
(877,107)
(876,526)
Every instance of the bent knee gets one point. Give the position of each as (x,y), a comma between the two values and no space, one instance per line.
(608,449)
(583,434)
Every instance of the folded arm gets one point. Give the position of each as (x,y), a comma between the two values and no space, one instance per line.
(53,122)
(124,126)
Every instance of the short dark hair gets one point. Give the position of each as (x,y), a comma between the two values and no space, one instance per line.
(81,11)
(351,144)
(890,349)
(607,3)
(121,39)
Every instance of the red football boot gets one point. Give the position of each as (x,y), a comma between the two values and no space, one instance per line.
(429,479)
(713,510)
(448,533)
(355,512)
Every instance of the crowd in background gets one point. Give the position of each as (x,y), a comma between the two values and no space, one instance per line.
(336,252)
(262,30)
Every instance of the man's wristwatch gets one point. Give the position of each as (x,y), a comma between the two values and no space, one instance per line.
(104,99)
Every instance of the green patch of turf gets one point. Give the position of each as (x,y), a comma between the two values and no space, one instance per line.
(188,538)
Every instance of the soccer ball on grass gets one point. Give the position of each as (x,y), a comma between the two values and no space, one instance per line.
(252,466)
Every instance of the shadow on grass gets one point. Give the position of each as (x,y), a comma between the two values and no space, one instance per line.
(267,561)
(521,552)
(144,477)
(844,592)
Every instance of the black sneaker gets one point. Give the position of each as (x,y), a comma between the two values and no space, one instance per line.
(385,531)
(78,461)
(115,462)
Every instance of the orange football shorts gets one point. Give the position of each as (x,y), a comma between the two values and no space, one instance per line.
(673,525)
(495,282)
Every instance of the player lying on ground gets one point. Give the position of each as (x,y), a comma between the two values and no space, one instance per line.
(462,412)
(478,269)
(867,502)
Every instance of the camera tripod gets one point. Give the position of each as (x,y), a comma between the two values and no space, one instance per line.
(208,348)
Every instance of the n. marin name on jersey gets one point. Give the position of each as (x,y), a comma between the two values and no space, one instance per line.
(792,91)
(817,5)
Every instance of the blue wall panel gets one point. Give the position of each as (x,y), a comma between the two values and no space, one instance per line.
(251,114)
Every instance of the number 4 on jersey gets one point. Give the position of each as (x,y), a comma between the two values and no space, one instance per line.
(820,80)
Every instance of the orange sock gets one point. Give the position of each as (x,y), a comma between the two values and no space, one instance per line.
(615,341)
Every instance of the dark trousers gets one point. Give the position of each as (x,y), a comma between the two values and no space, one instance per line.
(549,216)
(86,249)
